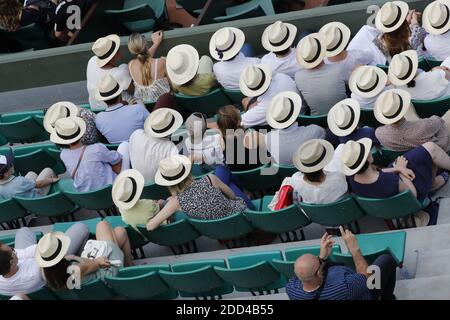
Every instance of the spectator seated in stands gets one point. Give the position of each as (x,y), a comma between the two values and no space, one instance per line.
(202,148)
(64,24)
(415,171)
(100,258)
(400,29)
(19,271)
(30,186)
(207,198)
(316,76)
(65,109)
(248,148)
(92,166)
(343,119)
(188,74)
(337,36)
(152,144)
(404,74)
(148,73)
(278,39)
(317,181)
(105,62)
(126,191)
(435,21)
(401,134)
(286,134)
(318,279)
(118,121)
(227,46)
(366,84)
(14,14)
(259,86)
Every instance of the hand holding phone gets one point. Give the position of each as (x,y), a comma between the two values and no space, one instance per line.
(333,231)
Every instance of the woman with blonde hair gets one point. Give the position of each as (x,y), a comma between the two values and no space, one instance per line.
(207,198)
(148,74)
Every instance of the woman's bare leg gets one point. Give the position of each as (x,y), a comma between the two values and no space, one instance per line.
(124,244)
(440,158)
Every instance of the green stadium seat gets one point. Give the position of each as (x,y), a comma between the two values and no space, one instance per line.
(197,279)
(192,5)
(375,244)
(367,118)
(423,64)
(390,155)
(433,62)
(43,294)
(134,19)
(285,222)
(99,200)
(428,108)
(285,171)
(141,282)
(55,153)
(53,205)
(28,37)
(10,213)
(402,205)
(343,212)
(286,267)
(22,129)
(11,238)
(208,104)
(154,192)
(90,223)
(253,272)
(320,120)
(227,229)
(183,242)
(235,96)
(254,180)
(251,12)
(92,290)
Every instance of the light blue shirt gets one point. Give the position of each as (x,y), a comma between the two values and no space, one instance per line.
(95,169)
(118,122)
(18,186)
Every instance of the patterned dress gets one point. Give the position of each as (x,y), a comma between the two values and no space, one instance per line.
(201,200)
(92,135)
(152,92)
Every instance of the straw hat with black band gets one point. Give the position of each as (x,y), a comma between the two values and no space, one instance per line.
(163,122)
(105,49)
(68,130)
(403,67)
(337,36)
(255,80)
(436,17)
(127,189)
(367,81)
(173,170)
(226,43)
(283,110)
(278,36)
(311,50)
(354,155)
(391,16)
(51,249)
(343,117)
(391,106)
(313,155)
(57,111)
(108,88)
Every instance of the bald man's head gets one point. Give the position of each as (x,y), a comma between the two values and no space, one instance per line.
(306,267)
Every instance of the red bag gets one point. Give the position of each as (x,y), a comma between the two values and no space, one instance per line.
(284,197)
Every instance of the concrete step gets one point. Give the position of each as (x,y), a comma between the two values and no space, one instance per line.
(428,288)
(433,263)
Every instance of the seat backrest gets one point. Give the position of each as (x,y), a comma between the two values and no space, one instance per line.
(344,211)
(141,12)
(29,37)
(52,205)
(11,210)
(35,161)
(347,259)
(428,108)
(293,253)
(208,104)
(158,6)
(90,223)
(367,118)
(390,155)
(393,207)
(26,129)
(155,192)
(92,290)
(99,199)
(254,180)
(164,234)
(320,120)
(231,227)
(235,96)
(373,242)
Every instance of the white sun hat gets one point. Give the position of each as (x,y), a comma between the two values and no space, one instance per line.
(436,17)
(343,117)
(127,189)
(313,155)
(182,64)
(403,67)
(68,130)
(105,48)
(354,155)
(173,170)
(255,80)
(337,36)
(367,81)
(392,105)
(226,43)
(59,110)
(283,109)
(51,249)
(163,122)
(391,16)
(108,88)
(311,50)
(278,36)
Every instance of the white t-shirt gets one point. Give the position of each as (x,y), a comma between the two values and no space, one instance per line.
(287,65)
(354,58)
(363,40)
(257,115)
(94,74)
(27,279)
(438,46)
(209,148)
(283,143)
(228,72)
(446,62)
(429,85)
(146,152)
(369,103)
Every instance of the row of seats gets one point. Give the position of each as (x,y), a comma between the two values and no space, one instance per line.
(256,272)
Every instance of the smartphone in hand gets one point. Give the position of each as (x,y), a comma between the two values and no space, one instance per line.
(334,231)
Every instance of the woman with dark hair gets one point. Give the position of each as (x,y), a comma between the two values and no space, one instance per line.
(100,258)
(400,29)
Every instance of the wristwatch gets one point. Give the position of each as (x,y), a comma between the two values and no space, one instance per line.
(322,260)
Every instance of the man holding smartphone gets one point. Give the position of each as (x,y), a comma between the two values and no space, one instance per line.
(316,279)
